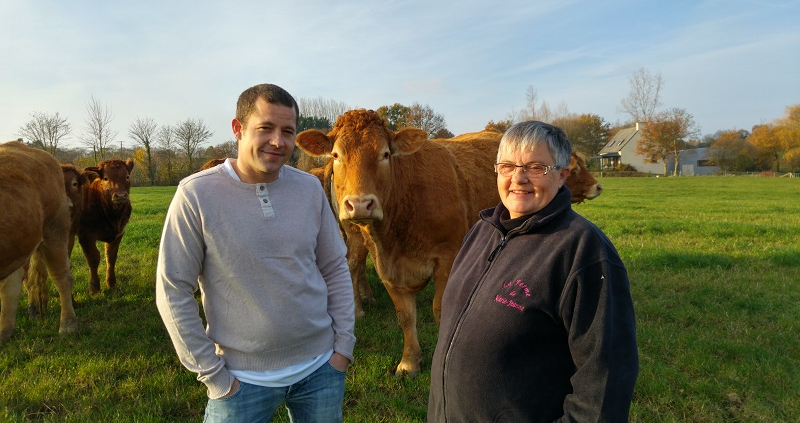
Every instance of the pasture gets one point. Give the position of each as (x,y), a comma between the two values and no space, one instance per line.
(714,264)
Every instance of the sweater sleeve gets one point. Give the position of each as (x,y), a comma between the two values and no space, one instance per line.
(332,263)
(598,314)
(180,262)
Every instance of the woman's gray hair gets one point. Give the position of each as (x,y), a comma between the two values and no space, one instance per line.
(525,136)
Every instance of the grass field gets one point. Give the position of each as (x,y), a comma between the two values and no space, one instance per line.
(714,264)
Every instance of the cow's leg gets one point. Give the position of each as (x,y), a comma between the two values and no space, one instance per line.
(112,248)
(92,254)
(357,261)
(10,290)
(56,255)
(441,273)
(405,306)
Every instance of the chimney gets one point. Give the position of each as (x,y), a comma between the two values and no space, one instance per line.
(637,126)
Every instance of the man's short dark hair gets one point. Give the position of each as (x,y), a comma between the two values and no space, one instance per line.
(272,94)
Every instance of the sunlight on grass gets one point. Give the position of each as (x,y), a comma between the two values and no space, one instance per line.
(714,265)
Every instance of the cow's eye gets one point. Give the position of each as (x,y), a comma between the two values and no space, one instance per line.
(386,155)
(335,156)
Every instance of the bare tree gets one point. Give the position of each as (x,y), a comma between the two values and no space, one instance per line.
(98,133)
(166,143)
(644,96)
(322,108)
(534,110)
(143,131)
(423,117)
(45,131)
(189,134)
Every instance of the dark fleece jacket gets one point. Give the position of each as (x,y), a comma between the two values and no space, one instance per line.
(537,324)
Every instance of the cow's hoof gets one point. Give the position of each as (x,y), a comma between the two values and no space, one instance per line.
(68,328)
(409,371)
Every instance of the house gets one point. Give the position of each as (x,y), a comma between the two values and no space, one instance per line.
(621,150)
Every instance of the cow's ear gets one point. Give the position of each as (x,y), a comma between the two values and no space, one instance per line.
(87,176)
(408,140)
(94,169)
(129,165)
(314,142)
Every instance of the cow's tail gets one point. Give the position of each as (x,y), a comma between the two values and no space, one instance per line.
(36,284)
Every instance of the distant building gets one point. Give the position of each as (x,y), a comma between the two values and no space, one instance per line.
(621,150)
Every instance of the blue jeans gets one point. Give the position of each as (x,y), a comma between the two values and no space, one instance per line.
(315,399)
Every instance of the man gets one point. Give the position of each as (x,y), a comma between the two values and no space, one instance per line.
(537,317)
(261,243)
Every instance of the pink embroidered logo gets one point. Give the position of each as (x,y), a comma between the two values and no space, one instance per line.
(513,290)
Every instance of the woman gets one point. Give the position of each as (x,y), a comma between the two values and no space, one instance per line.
(537,317)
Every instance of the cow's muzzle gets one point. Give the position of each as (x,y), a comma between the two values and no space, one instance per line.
(360,207)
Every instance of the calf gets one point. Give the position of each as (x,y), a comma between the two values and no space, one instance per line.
(34,227)
(106,211)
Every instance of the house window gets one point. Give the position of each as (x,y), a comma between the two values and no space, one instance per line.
(706,163)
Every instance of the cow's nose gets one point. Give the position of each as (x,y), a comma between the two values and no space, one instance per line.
(119,196)
(599,188)
(359,206)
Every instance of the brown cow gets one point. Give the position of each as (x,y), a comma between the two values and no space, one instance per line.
(34,227)
(357,245)
(75,183)
(415,199)
(580,182)
(106,210)
(209,164)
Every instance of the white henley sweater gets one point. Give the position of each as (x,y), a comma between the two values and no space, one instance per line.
(270,265)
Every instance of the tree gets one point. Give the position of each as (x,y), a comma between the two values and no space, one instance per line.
(398,116)
(321,108)
(500,126)
(587,132)
(423,117)
(166,140)
(769,146)
(541,112)
(395,115)
(443,134)
(664,135)
(45,131)
(644,96)
(189,134)
(143,131)
(313,122)
(731,151)
(98,133)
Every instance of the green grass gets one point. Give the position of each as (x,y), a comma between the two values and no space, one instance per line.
(714,265)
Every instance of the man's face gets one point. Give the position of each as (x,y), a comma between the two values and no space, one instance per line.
(266,141)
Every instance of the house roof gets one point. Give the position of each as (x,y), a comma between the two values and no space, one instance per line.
(620,140)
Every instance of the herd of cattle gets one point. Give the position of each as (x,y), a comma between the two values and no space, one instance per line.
(45,205)
(403,199)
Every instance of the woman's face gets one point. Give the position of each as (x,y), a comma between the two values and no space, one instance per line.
(524,194)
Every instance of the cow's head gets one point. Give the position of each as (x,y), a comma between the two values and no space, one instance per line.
(363,148)
(580,182)
(113,178)
(75,182)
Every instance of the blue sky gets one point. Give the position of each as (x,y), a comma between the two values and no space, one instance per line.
(731,63)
